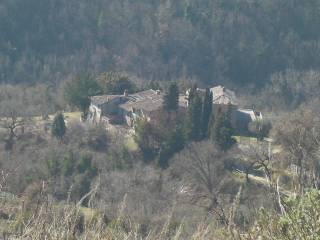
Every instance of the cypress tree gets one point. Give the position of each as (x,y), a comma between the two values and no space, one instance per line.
(171,98)
(206,113)
(193,126)
(222,129)
(192,93)
(58,129)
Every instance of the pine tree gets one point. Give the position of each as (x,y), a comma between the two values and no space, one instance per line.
(58,129)
(193,125)
(192,93)
(78,92)
(206,113)
(171,98)
(222,129)
(173,144)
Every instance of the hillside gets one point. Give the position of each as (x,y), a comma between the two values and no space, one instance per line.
(231,42)
(159,120)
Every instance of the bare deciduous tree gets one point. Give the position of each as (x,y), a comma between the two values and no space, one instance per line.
(11,123)
(299,136)
(202,166)
(257,157)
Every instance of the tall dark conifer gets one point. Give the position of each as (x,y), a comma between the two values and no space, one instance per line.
(192,93)
(171,98)
(206,113)
(222,130)
(58,126)
(174,143)
(193,125)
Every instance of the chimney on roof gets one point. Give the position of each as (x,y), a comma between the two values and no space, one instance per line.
(126,93)
(158,92)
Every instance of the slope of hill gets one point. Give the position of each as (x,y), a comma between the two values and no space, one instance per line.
(235,42)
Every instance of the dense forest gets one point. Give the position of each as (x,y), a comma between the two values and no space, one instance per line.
(235,42)
(186,171)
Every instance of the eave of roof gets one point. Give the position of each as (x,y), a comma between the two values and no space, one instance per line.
(100,100)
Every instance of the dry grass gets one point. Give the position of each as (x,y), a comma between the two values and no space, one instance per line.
(44,219)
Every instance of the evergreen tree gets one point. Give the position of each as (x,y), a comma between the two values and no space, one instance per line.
(193,125)
(53,166)
(177,139)
(144,137)
(164,156)
(116,83)
(68,164)
(154,85)
(171,98)
(85,165)
(174,144)
(79,90)
(222,129)
(206,113)
(192,93)
(58,129)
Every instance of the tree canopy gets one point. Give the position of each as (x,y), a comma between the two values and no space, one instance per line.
(78,91)
(171,98)
(239,42)
(58,129)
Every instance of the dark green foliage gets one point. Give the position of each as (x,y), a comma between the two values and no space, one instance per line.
(85,165)
(72,169)
(120,158)
(171,98)
(82,183)
(161,138)
(97,138)
(222,130)
(174,143)
(298,222)
(58,128)
(192,92)
(260,128)
(78,91)
(146,138)
(206,113)
(68,163)
(116,83)
(53,166)
(164,156)
(154,85)
(177,138)
(242,41)
(193,122)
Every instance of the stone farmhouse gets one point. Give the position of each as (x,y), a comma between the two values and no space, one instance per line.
(224,99)
(127,108)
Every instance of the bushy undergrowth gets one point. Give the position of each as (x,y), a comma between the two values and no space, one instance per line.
(45,219)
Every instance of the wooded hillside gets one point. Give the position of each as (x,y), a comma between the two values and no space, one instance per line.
(170,119)
(230,41)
